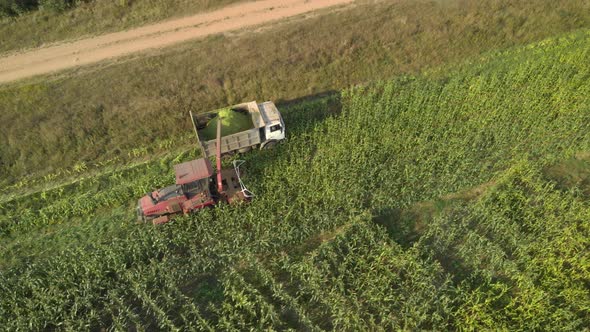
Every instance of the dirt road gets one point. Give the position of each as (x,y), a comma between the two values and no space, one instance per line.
(86,51)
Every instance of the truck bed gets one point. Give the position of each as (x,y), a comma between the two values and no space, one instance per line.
(234,142)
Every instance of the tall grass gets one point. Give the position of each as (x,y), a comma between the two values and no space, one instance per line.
(101,113)
(90,18)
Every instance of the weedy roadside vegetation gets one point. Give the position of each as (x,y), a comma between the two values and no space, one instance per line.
(101,113)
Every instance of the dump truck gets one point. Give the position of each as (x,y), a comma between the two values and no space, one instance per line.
(197,186)
(265,131)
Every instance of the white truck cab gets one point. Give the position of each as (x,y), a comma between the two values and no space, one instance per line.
(274,130)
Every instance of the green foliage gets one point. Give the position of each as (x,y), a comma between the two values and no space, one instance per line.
(57,5)
(306,254)
(15,7)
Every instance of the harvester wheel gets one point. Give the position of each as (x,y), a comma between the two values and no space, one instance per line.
(140,216)
(146,220)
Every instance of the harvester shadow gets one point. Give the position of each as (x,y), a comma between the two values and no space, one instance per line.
(407,226)
(404,226)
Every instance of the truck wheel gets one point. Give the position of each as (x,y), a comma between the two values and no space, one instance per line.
(245,150)
(269,145)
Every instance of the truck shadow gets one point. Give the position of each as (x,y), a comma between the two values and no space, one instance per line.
(308,98)
(301,112)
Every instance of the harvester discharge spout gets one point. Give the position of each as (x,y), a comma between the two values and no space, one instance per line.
(218,157)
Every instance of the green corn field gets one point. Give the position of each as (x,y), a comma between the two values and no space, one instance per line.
(457,199)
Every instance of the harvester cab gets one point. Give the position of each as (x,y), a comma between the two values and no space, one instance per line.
(192,191)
